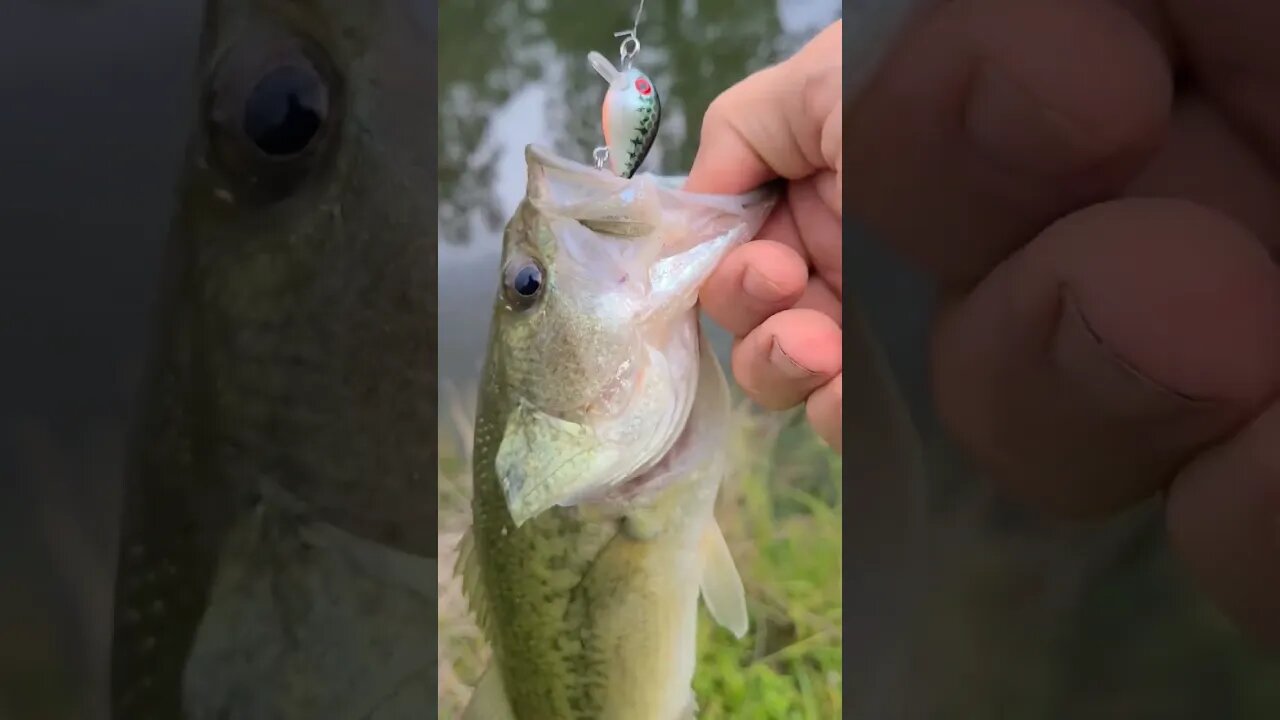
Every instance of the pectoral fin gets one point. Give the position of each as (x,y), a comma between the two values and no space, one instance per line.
(489,700)
(721,585)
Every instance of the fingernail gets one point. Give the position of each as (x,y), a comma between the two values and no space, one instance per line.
(1017,129)
(759,286)
(786,365)
(1080,352)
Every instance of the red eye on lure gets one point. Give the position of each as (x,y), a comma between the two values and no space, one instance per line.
(631,110)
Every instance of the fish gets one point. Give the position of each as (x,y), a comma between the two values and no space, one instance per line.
(598,450)
(277,558)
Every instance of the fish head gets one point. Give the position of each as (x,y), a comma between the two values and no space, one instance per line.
(295,347)
(595,340)
(306,241)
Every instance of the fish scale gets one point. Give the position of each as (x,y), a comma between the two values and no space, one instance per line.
(593,534)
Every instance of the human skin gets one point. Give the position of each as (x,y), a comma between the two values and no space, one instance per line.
(780,295)
(1094,185)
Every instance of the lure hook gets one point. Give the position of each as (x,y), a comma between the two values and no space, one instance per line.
(630,46)
(631,39)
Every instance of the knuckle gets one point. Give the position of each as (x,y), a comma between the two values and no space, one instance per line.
(717,115)
(820,93)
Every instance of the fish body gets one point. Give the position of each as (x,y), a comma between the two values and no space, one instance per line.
(277,559)
(598,451)
(629,115)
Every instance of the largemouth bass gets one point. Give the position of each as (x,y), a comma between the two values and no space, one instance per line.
(278,544)
(598,453)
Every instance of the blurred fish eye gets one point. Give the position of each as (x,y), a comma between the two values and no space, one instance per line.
(286,110)
(522,283)
(272,107)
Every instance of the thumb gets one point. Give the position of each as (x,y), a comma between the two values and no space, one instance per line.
(783,121)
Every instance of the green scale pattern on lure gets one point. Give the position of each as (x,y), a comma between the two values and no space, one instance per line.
(600,431)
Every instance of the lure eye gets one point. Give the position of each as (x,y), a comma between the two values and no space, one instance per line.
(523,283)
(643,86)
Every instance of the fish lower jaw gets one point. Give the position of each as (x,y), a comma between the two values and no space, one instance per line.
(642,486)
(648,473)
(613,498)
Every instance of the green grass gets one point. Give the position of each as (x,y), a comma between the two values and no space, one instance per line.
(780,511)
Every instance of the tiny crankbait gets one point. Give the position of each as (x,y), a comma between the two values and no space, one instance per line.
(631,110)
(630,113)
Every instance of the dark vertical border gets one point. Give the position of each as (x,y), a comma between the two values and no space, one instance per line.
(429,12)
(95,111)
(93,119)
(885,528)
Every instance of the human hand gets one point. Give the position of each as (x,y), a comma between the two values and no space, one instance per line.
(1105,243)
(780,295)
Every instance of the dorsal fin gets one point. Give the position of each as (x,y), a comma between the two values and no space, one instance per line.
(467,567)
(489,700)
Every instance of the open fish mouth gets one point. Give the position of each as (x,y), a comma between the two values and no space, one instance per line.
(629,258)
(540,158)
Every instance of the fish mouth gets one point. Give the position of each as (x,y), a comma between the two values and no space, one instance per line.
(539,159)
(673,239)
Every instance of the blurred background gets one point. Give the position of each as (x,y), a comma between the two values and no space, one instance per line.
(94,115)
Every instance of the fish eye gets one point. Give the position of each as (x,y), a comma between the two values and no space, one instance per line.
(285,111)
(272,107)
(522,283)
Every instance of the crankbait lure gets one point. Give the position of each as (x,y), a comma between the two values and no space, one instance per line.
(631,110)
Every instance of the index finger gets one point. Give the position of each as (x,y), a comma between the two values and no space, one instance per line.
(782,121)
